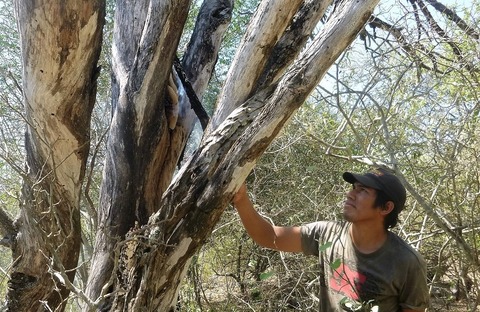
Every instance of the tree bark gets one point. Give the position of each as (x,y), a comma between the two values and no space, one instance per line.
(267,25)
(154,258)
(60,43)
(142,150)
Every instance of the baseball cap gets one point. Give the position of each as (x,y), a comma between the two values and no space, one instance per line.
(382,180)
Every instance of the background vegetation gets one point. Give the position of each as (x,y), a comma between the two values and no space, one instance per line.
(380,103)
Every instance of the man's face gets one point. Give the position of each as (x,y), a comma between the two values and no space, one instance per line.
(359,204)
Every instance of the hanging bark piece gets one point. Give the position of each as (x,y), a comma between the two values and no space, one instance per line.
(171,108)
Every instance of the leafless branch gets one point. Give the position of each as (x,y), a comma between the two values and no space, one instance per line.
(453,16)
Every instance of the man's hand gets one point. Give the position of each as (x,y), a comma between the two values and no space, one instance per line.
(263,232)
(241,195)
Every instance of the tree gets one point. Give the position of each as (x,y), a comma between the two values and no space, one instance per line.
(59,77)
(150,225)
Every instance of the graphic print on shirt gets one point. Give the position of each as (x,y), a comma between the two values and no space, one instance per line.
(359,288)
(347,281)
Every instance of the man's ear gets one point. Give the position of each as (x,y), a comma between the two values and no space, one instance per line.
(388,208)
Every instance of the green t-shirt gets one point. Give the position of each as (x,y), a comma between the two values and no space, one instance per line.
(390,279)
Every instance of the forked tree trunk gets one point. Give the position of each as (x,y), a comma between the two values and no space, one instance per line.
(154,258)
(143,151)
(60,43)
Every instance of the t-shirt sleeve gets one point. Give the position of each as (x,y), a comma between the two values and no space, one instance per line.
(310,234)
(414,295)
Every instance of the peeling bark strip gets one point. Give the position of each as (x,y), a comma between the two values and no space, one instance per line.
(196,199)
(60,42)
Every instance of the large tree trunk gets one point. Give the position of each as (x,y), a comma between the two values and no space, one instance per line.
(154,258)
(60,42)
(143,149)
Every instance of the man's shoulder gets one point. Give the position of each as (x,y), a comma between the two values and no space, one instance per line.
(325,226)
(404,251)
(325,229)
(318,233)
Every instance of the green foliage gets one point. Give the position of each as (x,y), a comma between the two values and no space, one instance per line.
(336,264)
(324,247)
(266,275)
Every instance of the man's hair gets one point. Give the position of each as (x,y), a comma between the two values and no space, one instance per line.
(392,218)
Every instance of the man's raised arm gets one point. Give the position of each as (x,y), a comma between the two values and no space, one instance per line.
(263,232)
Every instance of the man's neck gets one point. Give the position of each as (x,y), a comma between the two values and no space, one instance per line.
(368,238)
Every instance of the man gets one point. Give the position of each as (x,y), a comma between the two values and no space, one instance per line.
(363,266)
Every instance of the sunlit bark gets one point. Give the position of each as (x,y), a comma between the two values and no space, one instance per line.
(60,43)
